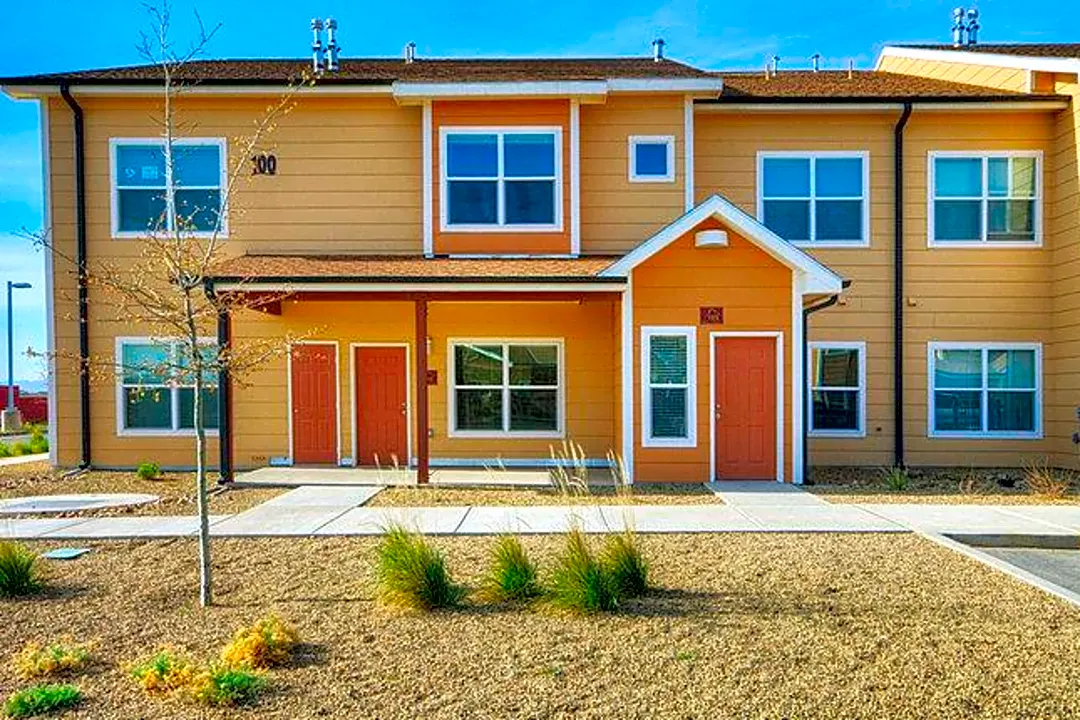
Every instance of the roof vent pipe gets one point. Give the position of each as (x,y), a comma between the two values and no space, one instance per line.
(410,52)
(332,47)
(775,64)
(658,49)
(958,27)
(850,69)
(316,45)
(973,26)
(815,59)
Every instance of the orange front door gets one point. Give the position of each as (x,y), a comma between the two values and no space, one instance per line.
(381,406)
(314,403)
(745,411)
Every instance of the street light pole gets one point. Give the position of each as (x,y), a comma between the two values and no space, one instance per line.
(11,420)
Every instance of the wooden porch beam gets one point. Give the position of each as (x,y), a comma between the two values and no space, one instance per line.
(423,470)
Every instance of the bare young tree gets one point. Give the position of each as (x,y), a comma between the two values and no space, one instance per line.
(166,292)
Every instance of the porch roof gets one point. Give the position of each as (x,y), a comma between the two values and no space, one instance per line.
(277,269)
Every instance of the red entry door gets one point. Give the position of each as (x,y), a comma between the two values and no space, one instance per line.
(745,412)
(314,403)
(381,406)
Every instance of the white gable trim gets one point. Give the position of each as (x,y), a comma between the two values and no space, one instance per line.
(817,279)
(968,57)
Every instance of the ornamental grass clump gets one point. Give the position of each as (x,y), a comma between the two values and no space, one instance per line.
(223,686)
(1044,481)
(579,582)
(896,478)
(60,658)
(512,576)
(164,673)
(624,562)
(411,574)
(19,570)
(268,643)
(42,700)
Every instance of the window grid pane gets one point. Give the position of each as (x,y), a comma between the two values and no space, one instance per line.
(1002,395)
(812,198)
(835,384)
(506,388)
(985,199)
(669,386)
(141,178)
(157,390)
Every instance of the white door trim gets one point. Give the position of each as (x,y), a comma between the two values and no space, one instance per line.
(337,390)
(353,433)
(779,336)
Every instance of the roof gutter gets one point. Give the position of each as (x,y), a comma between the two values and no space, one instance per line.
(898,285)
(1009,103)
(80,261)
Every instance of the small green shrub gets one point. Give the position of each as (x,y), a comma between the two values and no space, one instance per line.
(163,673)
(19,573)
(896,478)
(5,450)
(411,573)
(60,658)
(624,561)
(225,686)
(42,699)
(512,576)
(20,448)
(580,583)
(148,471)
(38,445)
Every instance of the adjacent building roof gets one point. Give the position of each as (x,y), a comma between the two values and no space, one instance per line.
(1046,50)
(379,71)
(861,85)
(410,268)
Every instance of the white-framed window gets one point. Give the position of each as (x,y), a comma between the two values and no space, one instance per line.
(815,198)
(985,390)
(838,389)
(985,199)
(669,386)
(652,158)
(154,396)
(501,178)
(506,388)
(140,176)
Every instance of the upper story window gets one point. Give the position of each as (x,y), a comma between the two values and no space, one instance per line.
(985,199)
(154,394)
(140,177)
(818,198)
(838,388)
(985,389)
(669,386)
(501,179)
(652,158)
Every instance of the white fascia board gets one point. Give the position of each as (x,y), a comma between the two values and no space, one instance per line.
(456,287)
(969,57)
(818,279)
(712,86)
(925,106)
(422,91)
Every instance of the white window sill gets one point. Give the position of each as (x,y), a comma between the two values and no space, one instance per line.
(163,433)
(499,434)
(137,235)
(832,244)
(685,443)
(942,435)
(652,178)
(837,433)
(501,228)
(985,245)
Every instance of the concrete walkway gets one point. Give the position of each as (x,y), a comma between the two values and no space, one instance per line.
(23,459)
(749,507)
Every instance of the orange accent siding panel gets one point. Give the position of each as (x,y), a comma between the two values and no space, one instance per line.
(381,400)
(314,403)
(745,412)
(466,113)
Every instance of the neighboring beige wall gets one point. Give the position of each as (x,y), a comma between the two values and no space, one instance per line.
(988,76)
(616,214)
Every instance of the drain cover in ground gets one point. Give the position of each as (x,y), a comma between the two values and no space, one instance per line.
(65,553)
(71,503)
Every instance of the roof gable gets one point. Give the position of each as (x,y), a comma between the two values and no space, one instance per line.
(816,277)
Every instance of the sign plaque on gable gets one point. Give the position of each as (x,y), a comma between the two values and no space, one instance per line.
(711,315)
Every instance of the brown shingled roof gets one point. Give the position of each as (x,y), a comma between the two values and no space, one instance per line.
(382,71)
(809,86)
(1047,50)
(409,268)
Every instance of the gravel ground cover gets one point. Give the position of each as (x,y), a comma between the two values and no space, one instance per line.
(946,486)
(641,494)
(742,625)
(176,490)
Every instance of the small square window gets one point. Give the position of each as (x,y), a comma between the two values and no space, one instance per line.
(652,158)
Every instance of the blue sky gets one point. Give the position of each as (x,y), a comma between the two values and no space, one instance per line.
(48,36)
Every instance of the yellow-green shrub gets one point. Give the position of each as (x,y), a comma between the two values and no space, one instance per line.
(267,643)
(225,686)
(60,658)
(164,673)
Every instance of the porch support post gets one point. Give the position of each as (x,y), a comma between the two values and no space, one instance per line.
(626,322)
(224,340)
(420,343)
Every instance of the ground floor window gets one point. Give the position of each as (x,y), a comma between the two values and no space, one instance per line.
(668,386)
(506,388)
(155,392)
(984,389)
(838,388)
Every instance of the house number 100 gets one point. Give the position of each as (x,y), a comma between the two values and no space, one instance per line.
(264,164)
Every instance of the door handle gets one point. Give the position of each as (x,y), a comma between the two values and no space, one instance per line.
(718,412)
(404,408)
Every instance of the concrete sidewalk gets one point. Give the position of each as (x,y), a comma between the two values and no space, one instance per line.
(749,507)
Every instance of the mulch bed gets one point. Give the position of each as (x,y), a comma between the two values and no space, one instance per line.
(639,494)
(742,625)
(946,486)
(176,490)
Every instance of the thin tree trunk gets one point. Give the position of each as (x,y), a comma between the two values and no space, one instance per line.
(205,596)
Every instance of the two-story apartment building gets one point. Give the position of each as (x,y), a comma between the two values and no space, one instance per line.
(714,275)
